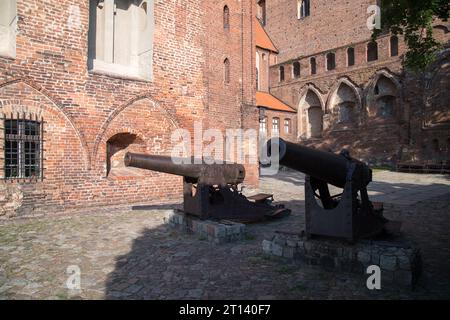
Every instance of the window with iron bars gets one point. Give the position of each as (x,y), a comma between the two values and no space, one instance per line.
(23,147)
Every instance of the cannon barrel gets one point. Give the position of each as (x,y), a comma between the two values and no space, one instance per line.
(203,173)
(322,165)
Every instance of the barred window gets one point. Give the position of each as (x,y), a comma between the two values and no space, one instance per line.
(23,149)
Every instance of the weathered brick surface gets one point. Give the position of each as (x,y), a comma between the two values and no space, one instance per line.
(399,261)
(82,110)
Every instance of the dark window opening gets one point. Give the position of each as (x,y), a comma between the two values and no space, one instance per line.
(351,57)
(377,90)
(226,18)
(313,66)
(394,46)
(262,11)
(296,67)
(23,147)
(331,61)
(435,145)
(372,51)
(304,9)
(281,74)
(287,126)
(386,106)
(226,76)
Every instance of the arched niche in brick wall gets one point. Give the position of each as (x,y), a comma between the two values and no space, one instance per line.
(384,98)
(65,152)
(344,104)
(141,126)
(311,112)
(116,148)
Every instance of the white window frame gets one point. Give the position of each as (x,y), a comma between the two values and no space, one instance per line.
(287,126)
(141,67)
(8,28)
(275,126)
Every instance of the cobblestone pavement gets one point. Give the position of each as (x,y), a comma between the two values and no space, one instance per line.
(126,254)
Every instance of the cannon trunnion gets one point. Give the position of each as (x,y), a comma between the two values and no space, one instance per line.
(349,216)
(211,190)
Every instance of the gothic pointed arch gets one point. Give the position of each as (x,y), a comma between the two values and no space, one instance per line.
(311,110)
(141,125)
(24,97)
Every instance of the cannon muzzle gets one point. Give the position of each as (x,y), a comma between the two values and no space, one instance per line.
(326,166)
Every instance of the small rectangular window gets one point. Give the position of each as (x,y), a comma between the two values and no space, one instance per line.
(23,149)
(372,51)
(287,126)
(331,61)
(313,66)
(296,70)
(275,126)
(303,8)
(281,74)
(394,46)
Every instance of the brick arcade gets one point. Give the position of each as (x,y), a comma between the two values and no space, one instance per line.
(350,92)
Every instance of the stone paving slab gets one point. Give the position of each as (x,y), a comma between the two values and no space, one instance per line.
(125,254)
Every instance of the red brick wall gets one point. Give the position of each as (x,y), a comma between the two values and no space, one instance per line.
(331,24)
(334,26)
(82,110)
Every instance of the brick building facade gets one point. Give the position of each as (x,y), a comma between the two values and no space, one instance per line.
(350,92)
(82,82)
(276,118)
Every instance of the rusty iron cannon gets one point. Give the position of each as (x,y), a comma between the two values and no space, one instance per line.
(349,215)
(211,191)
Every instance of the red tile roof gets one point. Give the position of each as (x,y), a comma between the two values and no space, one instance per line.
(262,38)
(266,100)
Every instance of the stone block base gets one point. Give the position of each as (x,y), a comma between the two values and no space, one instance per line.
(399,261)
(214,231)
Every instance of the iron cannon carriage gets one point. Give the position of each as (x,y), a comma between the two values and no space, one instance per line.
(350,215)
(211,191)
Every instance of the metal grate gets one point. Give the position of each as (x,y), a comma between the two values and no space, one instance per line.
(23,147)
